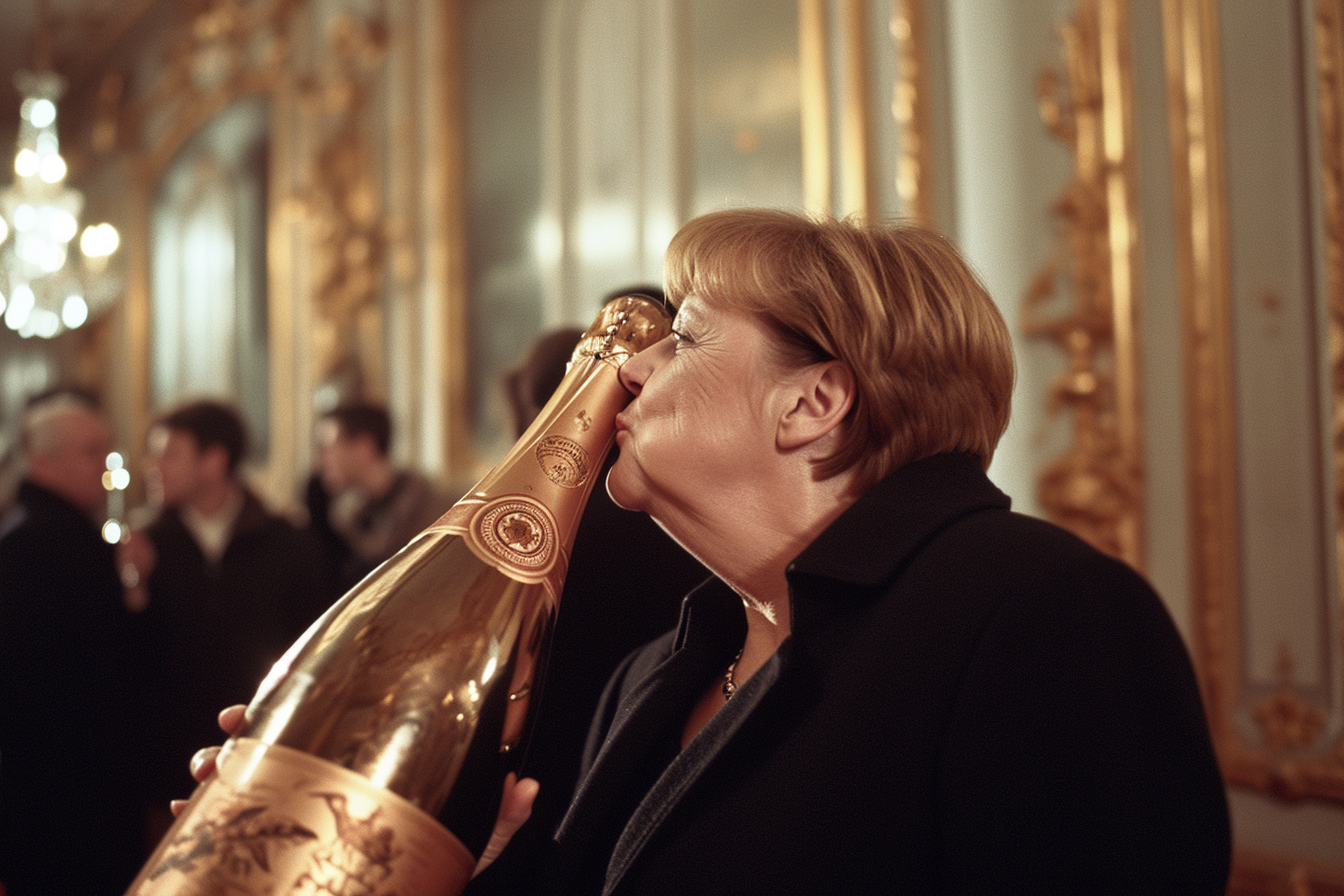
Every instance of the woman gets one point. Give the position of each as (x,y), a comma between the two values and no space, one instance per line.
(892,683)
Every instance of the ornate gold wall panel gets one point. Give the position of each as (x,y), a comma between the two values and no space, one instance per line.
(910,106)
(330,239)
(342,207)
(1096,487)
(816,109)
(220,51)
(1274,736)
(1329,40)
(838,166)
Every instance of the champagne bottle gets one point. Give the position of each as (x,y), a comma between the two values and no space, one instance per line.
(402,702)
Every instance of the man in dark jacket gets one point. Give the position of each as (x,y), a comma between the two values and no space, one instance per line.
(231,584)
(71,820)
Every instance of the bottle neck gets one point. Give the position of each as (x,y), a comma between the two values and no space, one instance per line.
(523,515)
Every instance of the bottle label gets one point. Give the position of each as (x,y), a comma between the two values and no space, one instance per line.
(519,532)
(277,821)
(563,461)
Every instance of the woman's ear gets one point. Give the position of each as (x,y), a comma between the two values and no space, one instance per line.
(825,395)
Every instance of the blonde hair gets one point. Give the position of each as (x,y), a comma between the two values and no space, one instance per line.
(931,355)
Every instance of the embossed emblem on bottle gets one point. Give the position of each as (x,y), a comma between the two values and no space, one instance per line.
(518,531)
(563,460)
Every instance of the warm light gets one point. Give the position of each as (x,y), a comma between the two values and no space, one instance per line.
(116,480)
(26,163)
(99,240)
(52,169)
(40,112)
(74,312)
(21,302)
(63,225)
(605,232)
(40,219)
(41,252)
(547,241)
(112,531)
(43,323)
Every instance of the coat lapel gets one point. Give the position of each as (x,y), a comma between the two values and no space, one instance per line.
(687,768)
(712,628)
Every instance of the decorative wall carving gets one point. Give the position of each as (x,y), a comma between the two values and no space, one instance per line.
(342,201)
(1278,736)
(1096,487)
(227,49)
(329,240)
(910,105)
(214,53)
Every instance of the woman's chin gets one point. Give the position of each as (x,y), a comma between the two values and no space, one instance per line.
(620,491)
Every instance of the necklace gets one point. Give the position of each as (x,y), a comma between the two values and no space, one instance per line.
(730,686)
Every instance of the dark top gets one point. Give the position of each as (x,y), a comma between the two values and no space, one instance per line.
(218,627)
(624,586)
(71,813)
(971,701)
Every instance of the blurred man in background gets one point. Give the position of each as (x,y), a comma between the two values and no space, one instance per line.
(231,584)
(376,507)
(71,813)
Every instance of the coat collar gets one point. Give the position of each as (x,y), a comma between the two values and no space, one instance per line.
(879,532)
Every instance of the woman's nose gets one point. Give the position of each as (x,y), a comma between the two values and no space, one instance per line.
(635,372)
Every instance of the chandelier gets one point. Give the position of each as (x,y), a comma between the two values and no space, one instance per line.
(44,290)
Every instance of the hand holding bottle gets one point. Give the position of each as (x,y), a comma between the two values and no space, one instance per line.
(514,809)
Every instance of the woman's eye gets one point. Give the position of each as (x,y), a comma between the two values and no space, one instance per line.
(681,338)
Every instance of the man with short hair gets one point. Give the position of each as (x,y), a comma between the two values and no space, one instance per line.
(231,584)
(378,507)
(71,818)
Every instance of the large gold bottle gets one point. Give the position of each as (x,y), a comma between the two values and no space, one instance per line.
(402,701)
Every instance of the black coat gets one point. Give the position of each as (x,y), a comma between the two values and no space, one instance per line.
(218,627)
(71,813)
(971,701)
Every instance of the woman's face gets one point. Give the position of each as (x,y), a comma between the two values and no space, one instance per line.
(702,425)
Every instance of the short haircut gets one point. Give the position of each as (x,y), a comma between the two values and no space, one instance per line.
(363,418)
(211,423)
(931,355)
(37,435)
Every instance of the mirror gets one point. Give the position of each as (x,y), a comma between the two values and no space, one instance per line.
(207,234)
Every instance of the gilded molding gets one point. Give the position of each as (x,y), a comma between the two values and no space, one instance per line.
(342,202)
(910,107)
(1329,45)
(838,175)
(1288,758)
(221,50)
(1194,107)
(228,49)
(858,181)
(1096,487)
(1287,722)
(815,109)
